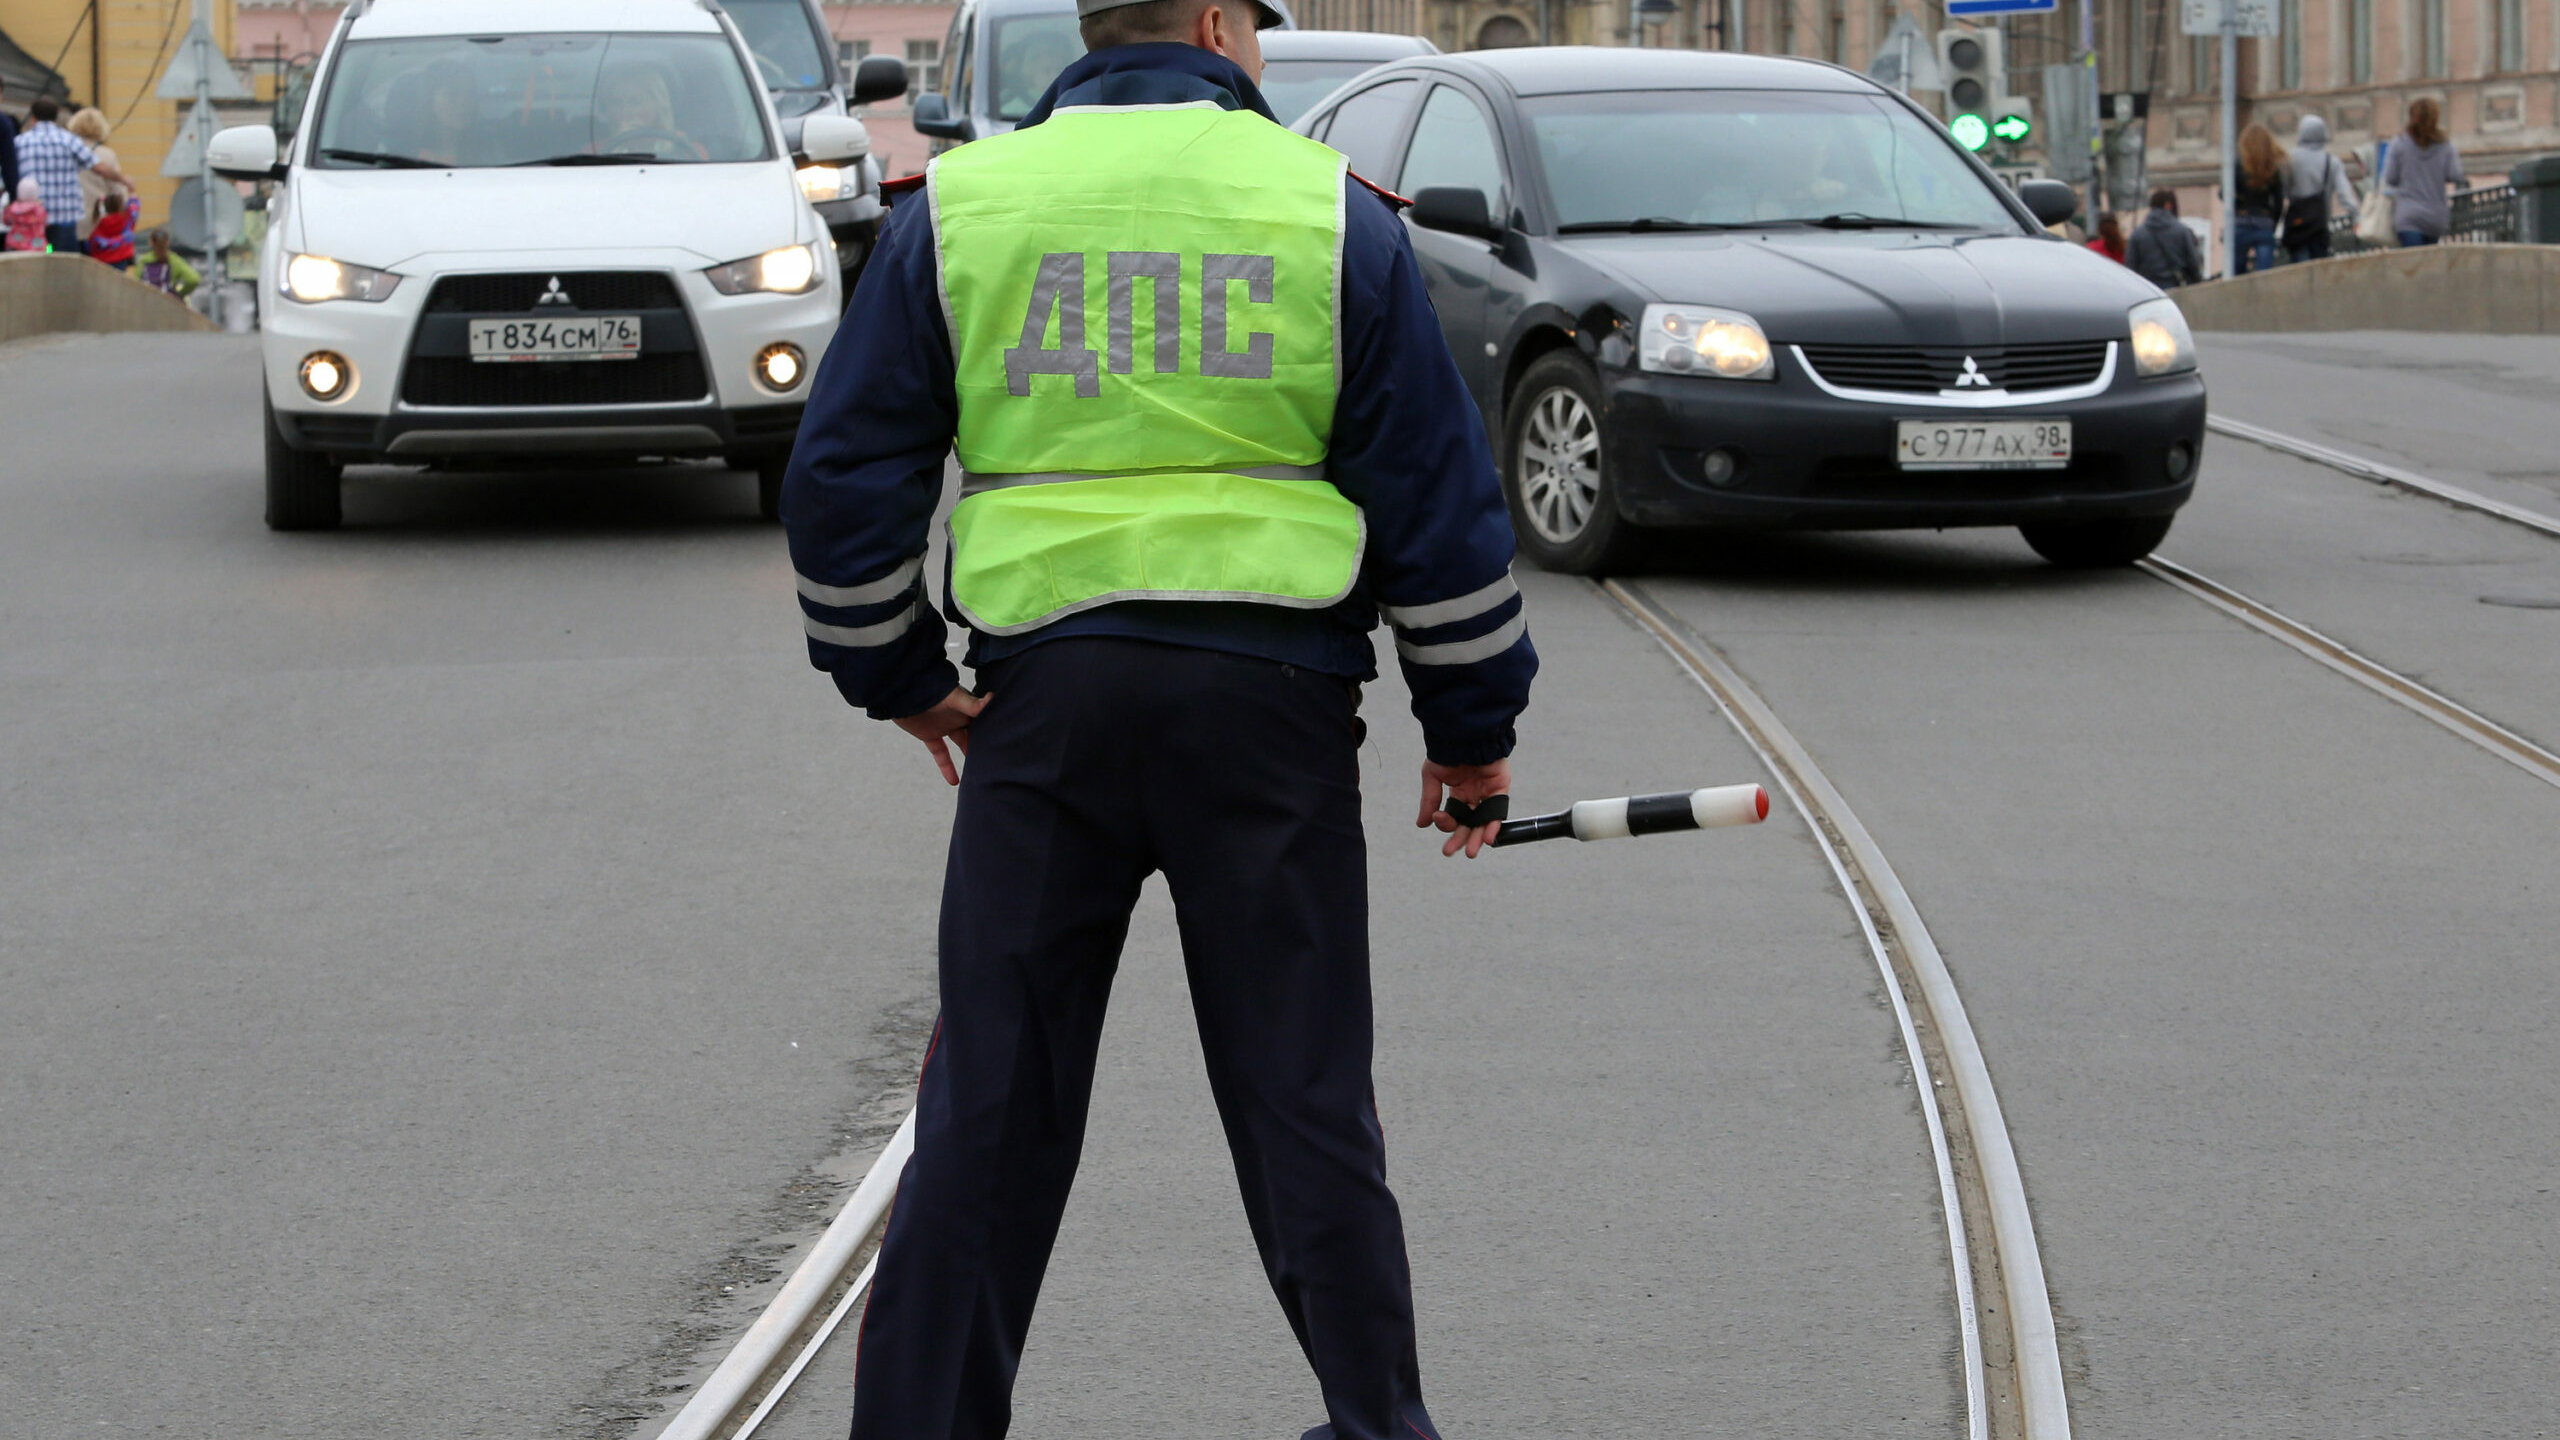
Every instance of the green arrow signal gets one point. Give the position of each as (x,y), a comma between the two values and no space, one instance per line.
(1971,131)
(2012,128)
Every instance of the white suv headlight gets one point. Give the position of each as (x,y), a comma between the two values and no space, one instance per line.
(314,278)
(790,270)
(820,184)
(2162,343)
(1703,340)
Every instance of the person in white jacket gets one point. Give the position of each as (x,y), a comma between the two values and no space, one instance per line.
(2316,181)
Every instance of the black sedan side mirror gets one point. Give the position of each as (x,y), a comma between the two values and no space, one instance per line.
(2050,201)
(878,78)
(932,116)
(1458,209)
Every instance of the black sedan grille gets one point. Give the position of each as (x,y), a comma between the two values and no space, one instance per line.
(670,377)
(588,290)
(1927,370)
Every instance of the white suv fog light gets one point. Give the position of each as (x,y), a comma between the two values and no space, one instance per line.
(780,366)
(326,375)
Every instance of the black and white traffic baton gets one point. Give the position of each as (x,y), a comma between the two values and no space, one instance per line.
(1707,809)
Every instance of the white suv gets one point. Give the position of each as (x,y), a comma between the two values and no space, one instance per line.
(512,230)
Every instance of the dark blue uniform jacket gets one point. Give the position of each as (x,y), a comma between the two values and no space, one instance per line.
(1407,447)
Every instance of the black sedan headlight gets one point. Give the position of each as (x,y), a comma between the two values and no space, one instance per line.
(1703,340)
(2162,343)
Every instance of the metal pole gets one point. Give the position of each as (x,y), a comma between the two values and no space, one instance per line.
(214,277)
(2089,77)
(2230,134)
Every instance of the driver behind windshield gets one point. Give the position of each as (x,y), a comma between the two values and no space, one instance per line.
(637,111)
(442,107)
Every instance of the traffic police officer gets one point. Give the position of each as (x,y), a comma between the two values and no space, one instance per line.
(1208,430)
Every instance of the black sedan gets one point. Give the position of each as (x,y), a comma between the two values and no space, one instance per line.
(1709,289)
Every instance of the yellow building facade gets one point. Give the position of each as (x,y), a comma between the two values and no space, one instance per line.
(112,54)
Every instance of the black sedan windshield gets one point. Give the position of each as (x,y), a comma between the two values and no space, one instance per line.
(1672,159)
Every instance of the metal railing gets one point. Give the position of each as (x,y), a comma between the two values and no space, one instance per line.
(2490,215)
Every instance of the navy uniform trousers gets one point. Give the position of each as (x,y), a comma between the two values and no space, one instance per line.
(1096,762)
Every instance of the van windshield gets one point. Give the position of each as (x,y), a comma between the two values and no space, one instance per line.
(1028,51)
(783,44)
(471,101)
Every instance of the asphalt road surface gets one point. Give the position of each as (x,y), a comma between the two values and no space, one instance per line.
(451,961)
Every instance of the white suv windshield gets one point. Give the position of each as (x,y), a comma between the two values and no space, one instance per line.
(486,100)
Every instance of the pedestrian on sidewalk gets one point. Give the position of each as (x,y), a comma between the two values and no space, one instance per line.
(25,217)
(91,126)
(56,158)
(2163,250)
(1178,521)
(2109,241)
(2421,168)
(166,269)
(2261,179)
(2315,181)
(111,239)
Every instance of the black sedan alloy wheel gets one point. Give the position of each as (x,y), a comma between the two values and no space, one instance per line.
(1562,503)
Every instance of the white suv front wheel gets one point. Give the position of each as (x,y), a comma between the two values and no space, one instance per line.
(302,485)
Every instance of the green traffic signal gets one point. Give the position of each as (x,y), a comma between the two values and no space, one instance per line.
(1973,132)
(2012,128)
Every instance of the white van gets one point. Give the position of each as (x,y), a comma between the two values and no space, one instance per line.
(513,229)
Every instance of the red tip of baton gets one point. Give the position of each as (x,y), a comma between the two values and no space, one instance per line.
(1760,799)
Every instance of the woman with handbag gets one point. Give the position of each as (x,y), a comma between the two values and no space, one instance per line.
(2315,181)
(2417,173)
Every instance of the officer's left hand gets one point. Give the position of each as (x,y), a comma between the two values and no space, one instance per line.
(1473,784)
(945,725)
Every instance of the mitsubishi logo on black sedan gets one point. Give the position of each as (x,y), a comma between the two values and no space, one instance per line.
(1972,373)
(557,296)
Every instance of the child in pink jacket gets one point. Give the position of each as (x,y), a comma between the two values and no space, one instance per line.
(25,217)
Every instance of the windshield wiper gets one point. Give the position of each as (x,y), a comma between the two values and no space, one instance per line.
(386,161)
(625,157)
(1648,223)
(1858,220)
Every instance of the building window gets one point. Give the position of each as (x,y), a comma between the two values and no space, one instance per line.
(924,66)
(2510,34)
(2204,63)
(850,55)
(2431,36)
(1786,27)
(2289,53)
(2360,42)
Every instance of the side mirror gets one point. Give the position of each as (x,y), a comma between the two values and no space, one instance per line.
(244,152)
(932,116)
(878,78)
(2050,201)
(833,139)
(1456,209)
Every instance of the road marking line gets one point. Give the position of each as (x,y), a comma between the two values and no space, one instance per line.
(2381,474)
(1876,892)
(2434,704)
(740,1377)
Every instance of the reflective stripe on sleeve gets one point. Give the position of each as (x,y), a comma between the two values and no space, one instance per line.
(973,482)
(865,637)
(887,587)
(1467,652)
(1449,612)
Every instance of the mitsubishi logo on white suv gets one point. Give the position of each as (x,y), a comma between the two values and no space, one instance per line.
(1972,373)
(557,296)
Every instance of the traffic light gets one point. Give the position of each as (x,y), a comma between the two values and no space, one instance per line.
(1977,74)
(2013,120)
